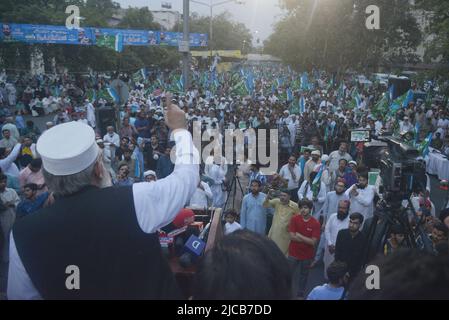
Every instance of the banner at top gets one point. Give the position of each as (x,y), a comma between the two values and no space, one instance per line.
(11,32)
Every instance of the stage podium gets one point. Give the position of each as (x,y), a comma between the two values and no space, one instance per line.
(185,276)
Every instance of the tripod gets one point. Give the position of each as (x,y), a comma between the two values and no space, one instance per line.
(233,188)
(384,218)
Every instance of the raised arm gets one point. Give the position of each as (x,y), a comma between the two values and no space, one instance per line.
(158,203)
(5,163)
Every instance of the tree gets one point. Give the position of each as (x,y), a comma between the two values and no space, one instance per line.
(437,14)
(139,18)
(227,34)
(333,34)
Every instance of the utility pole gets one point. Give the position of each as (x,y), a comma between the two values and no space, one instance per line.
(210,32)
(185,47)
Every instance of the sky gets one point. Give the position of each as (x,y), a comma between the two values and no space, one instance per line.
(258,15)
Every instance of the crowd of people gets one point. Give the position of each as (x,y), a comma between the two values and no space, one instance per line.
(315,207)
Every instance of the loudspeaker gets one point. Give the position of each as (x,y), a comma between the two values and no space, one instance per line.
(401,86)
(105,117)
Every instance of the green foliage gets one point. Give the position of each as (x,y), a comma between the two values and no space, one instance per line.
(139,18)
(227,34)
(438,13)
(333,34)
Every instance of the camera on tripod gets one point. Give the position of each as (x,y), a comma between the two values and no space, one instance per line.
(402,174)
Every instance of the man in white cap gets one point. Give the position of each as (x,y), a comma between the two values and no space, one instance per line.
(405,126)
(94,242)
(150,176)
(113,140)
(311,164)
(49,125)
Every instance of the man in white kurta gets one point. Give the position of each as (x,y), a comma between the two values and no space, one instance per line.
(336,222)
(306,192)
(202,196)
(361,196)
(330,207)
(112,140)
(91,114)
(216,169)
(291,172)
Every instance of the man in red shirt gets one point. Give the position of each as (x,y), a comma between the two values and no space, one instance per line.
(304,234)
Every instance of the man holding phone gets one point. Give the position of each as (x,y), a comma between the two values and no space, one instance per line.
(361,196)
(284,209)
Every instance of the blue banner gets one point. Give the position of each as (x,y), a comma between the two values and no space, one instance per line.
(12,32)
(45,34)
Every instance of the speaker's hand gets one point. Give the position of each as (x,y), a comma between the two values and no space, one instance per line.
(175,118)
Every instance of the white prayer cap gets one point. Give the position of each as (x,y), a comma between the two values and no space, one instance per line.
(325,158)
(149,173)
(68,148)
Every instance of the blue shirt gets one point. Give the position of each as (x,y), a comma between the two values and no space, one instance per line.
(143,123)
(326,292)
(124,183)
(253,216)
(164,167)
(27,206)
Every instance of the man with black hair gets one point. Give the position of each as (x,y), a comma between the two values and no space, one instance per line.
(8,140)
(291,172)
(284,209)
(231,225)
(396,240)
(123,178)
(439,233)
(361,196)
(351,244)
(243,266)
(336,222)
(255,174)
(33,174)
(28,152)
(335,288)
(304,232)
(124,145)
(32,202)
(407,274)
(253,216)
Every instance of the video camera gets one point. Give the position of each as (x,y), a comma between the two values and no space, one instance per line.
(402,174)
